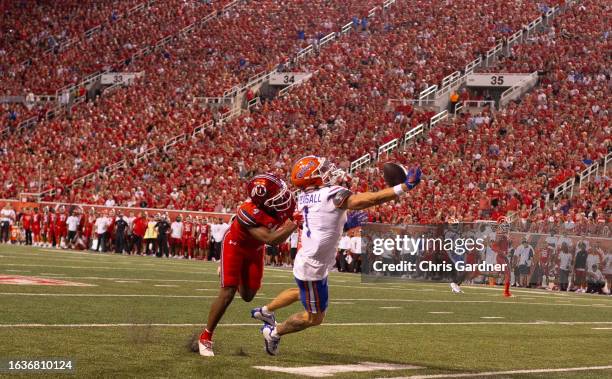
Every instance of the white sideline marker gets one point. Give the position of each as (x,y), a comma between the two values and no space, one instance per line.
(165,285)
(512,372)
(491,317)
(601,328)
(330,370)
(341,302)
(441,313)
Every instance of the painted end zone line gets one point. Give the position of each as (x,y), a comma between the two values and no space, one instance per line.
(476,323)
(495,373)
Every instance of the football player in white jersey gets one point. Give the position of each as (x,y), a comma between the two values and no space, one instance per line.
(323,207)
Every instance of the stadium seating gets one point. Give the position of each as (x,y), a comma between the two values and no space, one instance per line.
(50,72)
(172,78)
(342,102)
(29,28)
(348,75)
(532,145)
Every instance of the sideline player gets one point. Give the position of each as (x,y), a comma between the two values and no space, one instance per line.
(262,219)
(324,209)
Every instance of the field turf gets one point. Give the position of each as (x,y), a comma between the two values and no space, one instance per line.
(137,318)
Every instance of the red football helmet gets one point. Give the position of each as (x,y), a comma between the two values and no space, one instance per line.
(269,192)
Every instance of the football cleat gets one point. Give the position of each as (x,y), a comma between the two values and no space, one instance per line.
(270,343)
(455,288)
(206,348)
(266,318)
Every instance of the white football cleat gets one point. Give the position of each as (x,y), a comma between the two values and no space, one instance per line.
(206,348)
(266,318)
(455,287)
(270,343)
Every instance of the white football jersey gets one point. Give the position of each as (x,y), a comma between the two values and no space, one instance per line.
(321,232)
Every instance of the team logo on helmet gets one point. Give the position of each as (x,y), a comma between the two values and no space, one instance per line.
(305,169)
(259,190)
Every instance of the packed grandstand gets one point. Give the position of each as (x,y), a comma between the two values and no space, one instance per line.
(199,114)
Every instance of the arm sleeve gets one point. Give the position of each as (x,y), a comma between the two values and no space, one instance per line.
(339,195)
(246,218)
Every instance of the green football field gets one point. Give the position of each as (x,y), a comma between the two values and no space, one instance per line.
(136,318)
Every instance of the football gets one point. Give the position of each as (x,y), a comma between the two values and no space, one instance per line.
(394,174)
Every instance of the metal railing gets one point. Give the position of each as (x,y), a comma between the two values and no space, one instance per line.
(458,78)
(396,143)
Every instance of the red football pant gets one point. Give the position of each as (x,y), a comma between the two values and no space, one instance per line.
(188,244)
(240,266)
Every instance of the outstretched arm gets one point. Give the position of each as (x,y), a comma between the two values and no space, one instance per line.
(369,199)
(365,200)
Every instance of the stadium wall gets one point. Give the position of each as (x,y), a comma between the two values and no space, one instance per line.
(172,213)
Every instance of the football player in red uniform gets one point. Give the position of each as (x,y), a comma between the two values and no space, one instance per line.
(188,238)
(36,226)
(60,227)
(265,218)
(52,239)
(26,222)
(203,239)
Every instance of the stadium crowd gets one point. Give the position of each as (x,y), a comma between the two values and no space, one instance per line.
(47,73)
(29,29)
(205,61)
(348,70)
(485,166)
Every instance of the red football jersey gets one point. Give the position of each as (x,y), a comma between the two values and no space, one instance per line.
(204,231)
(187,229)
(61,220)
(249,216)
(27,221)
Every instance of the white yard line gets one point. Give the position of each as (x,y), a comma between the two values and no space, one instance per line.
(491,317)
(441,313)
(601,328)
(474,323)
(339,299)
(390,307)
(511,372)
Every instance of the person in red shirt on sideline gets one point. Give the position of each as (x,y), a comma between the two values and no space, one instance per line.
(36,226)
(203,238)
(60,227)
(188,238)
(138,231)
(26,222)
(87,221)
(263,219)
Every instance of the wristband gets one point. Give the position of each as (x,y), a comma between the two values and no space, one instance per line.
(398,189)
